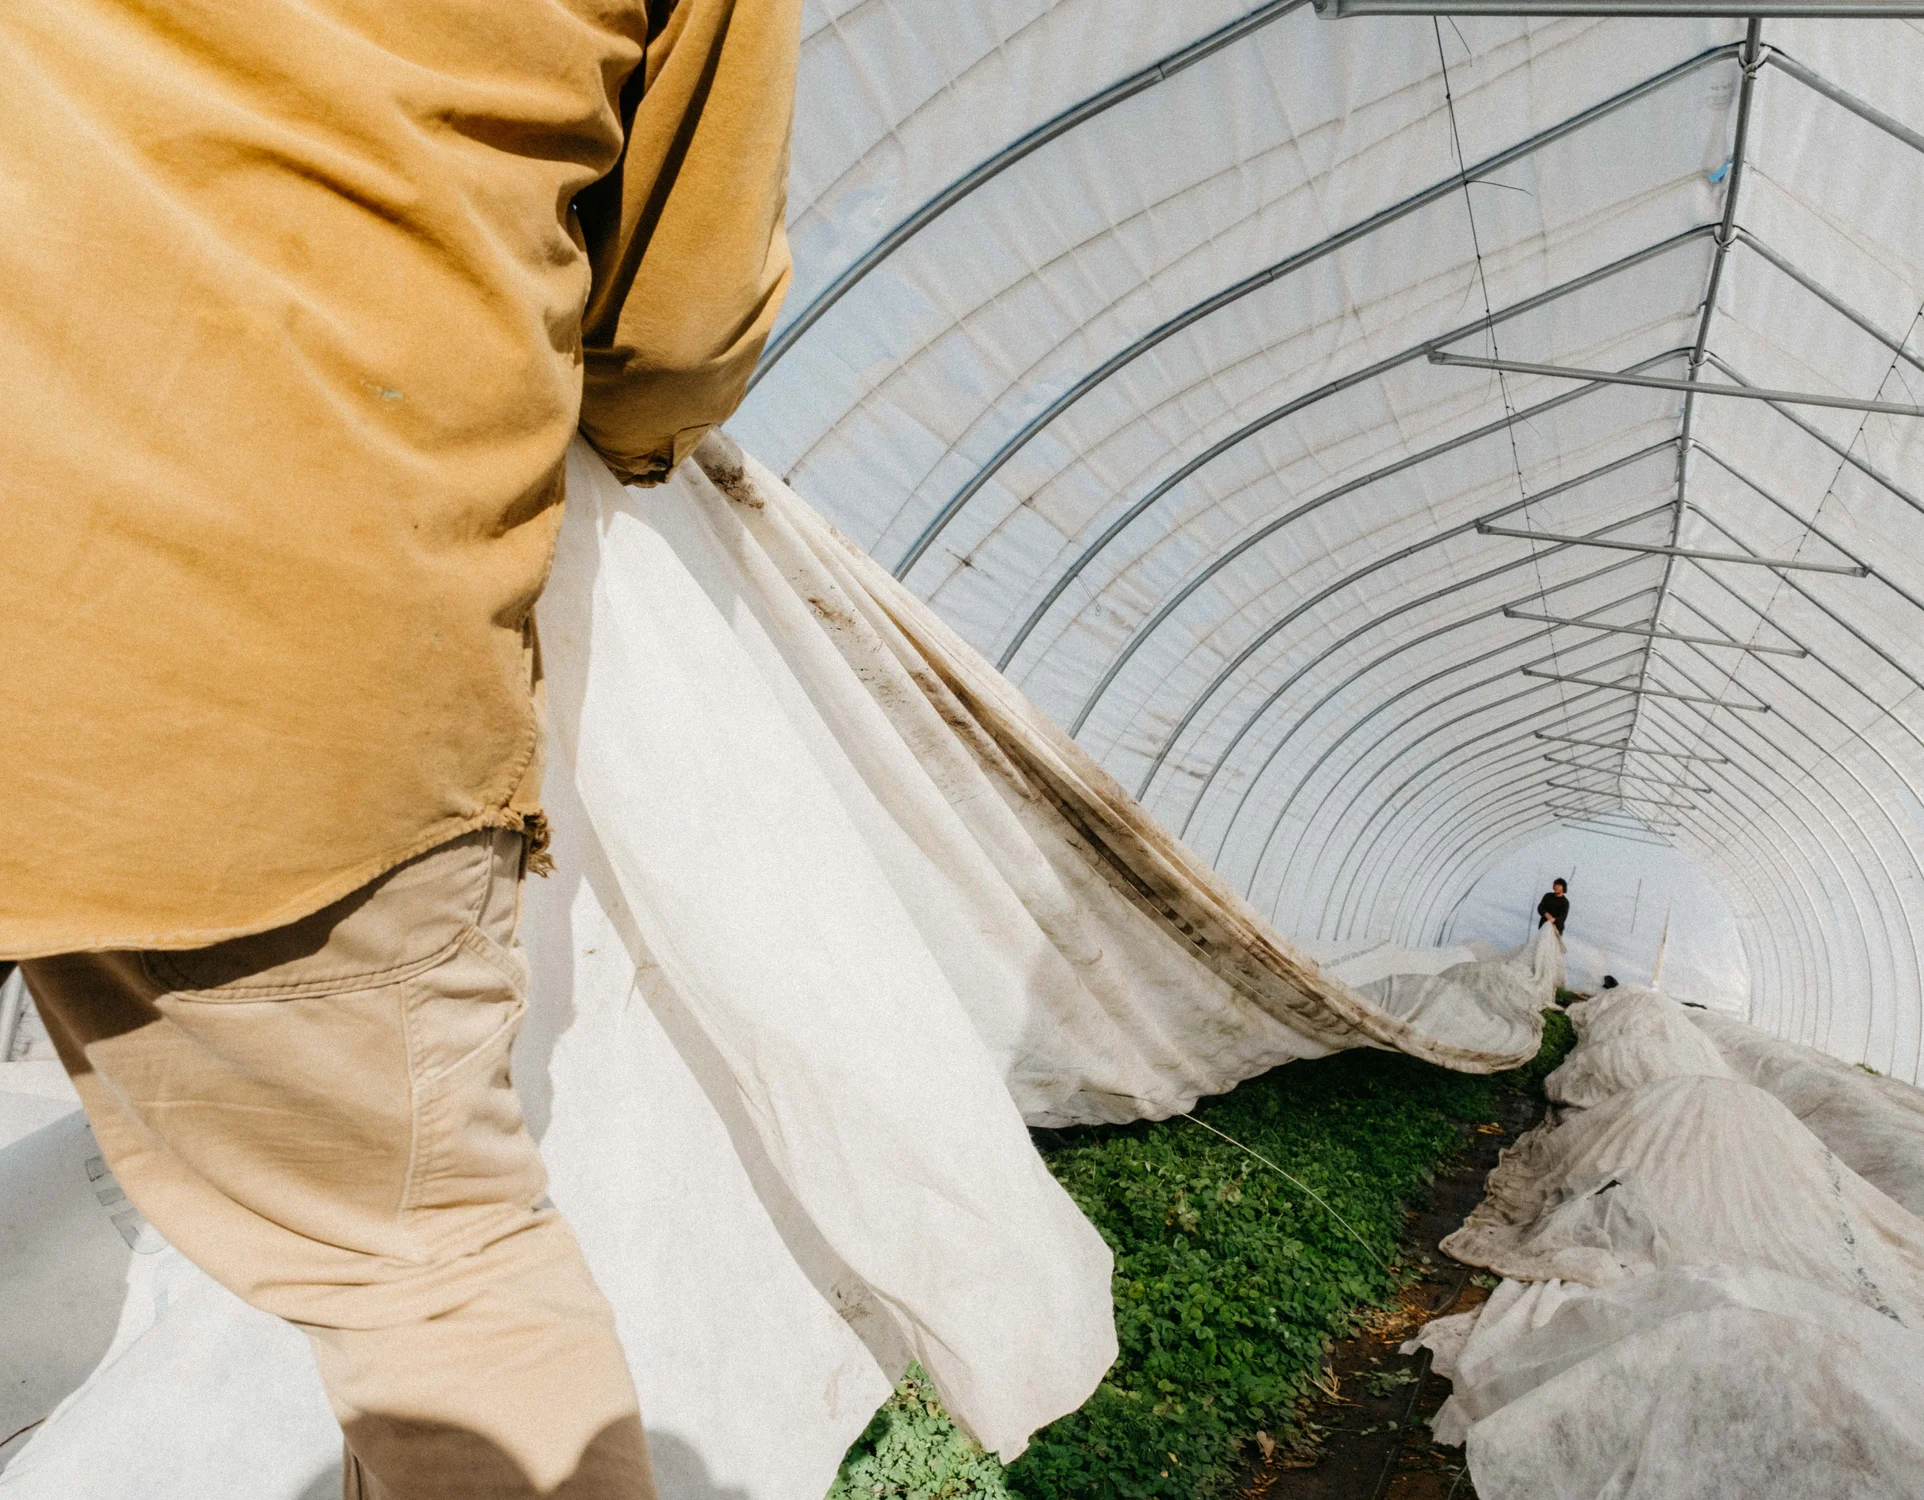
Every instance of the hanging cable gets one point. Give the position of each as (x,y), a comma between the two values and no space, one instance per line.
(1503,385)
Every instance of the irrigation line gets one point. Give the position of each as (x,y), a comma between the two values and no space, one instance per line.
(1298,1182)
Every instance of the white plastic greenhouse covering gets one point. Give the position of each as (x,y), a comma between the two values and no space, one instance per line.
(1109,334)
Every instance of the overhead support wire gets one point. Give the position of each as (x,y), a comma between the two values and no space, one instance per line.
(1654,634)
(1664,383)
(1643,690)
(1694,554)
(1564,739)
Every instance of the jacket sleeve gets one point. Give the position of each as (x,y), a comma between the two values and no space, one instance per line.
(685,236)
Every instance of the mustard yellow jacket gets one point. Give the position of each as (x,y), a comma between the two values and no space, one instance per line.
(300,304)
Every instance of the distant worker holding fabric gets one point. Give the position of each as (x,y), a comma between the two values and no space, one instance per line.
(1555,906)
(305,300)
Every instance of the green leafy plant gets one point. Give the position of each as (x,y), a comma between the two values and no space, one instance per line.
(1230,1279)
(912,1450)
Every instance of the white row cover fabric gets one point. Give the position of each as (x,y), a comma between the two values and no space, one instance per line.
(1141,300)
(1701,1299)
(1874,1124)
(834,911)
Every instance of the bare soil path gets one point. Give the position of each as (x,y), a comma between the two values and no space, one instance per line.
(1366,1432)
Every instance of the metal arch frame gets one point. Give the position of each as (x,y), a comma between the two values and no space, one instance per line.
(1891,889)
(1370,855)
(1355,676)
(1356,575)
(1742,236)
(1813,824)
(1347,581)
(1871,570)
(1271,527)
(1323,392)
(1396,756)
(1364,227)
(1767,854)
(1316,708)
(1289,863)
(1296,261)
(1886,895)
(1892,883)
(1346,874)
(995,165)
(1302,782)
(1882,896)
(1822,818)
(1420,683)
(1261,423)
(1311,818)
(1863,833)
(1847,455)
(1841,824)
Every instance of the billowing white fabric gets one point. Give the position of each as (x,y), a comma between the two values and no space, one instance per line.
(1701,1299)
(1269,596)
(1630,1036)
(833,912)
(1722,1383)
(1692,1171)
(1875,1125)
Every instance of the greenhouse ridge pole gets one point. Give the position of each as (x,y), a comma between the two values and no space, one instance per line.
(1750,60)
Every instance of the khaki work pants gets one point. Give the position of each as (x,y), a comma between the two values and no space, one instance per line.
(320,1116)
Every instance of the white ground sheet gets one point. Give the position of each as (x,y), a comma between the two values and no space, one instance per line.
(835,913)
(1701,1298)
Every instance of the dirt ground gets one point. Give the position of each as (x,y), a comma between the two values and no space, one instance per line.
(1366,1435)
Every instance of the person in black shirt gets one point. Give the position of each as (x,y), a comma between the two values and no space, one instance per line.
(1555,906)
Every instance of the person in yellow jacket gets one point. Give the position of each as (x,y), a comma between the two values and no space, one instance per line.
(303,302)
